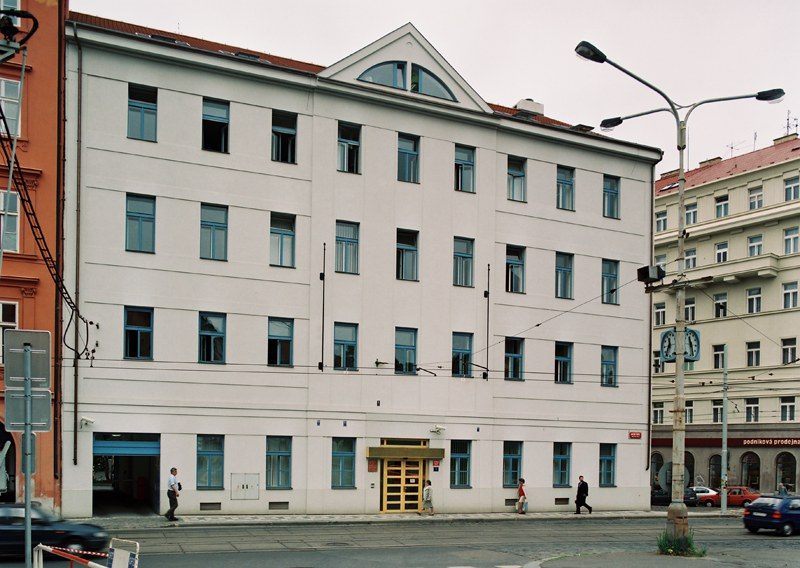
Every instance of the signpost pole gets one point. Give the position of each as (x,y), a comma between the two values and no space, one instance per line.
(26,363)
(724,464)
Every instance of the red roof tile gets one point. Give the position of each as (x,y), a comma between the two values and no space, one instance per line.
(762,158)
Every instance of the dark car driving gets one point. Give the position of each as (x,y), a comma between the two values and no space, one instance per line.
(773,512)
(45,529)
(663,497)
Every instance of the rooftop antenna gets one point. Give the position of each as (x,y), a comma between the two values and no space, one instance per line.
(791,123)
(734,146)
(755,137)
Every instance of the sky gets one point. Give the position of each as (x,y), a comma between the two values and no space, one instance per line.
(509,50)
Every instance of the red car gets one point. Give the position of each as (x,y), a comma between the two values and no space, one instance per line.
(738,496)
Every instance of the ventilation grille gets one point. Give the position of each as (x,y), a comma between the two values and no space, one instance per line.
(210,506)
(279,505)
(562,500)
(511,502)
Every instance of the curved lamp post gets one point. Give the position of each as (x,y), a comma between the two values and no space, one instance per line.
(677,516)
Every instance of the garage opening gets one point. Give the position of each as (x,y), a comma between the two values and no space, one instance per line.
(125,474)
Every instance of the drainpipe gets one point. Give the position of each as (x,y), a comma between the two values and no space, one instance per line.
(650,327)
(76,335)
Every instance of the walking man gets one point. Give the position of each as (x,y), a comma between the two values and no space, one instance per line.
(583,493)
(522,497)
(173,492)
(427,497)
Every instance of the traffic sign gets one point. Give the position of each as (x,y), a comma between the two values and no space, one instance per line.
(13,342)
(40,415)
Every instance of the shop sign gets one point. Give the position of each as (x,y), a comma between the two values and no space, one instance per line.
(780,442)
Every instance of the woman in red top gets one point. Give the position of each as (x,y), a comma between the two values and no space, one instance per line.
(522,497)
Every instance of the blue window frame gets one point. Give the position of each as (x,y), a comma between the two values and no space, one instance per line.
(210,461)
(516,179)
(343,463)
(211,338)
(610,281)
(345,346)
(459,463)
(407,255)
(565,188)
(515,364)
(213,232)
(611,197)
(512,463)
(426,83)
(388,74)
(281,240)
(216,119)
(349,147)
(608,465)
(465,169)
(561,463)
(408,158)
(463,261)
(462,355)
(608,366)
(515,269)
(142,112)
(347,247)
(405,351)
(563,367)
(279,462)
(138,333)
(564,275)
(140,223)
(284,137)
(280,342)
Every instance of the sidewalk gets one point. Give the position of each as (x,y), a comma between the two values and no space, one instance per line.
(119,523)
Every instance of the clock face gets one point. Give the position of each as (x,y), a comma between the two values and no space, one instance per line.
(668,343)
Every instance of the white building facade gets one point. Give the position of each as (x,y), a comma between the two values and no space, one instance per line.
(288,264)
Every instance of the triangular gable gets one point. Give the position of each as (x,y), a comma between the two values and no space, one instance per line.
(406,44)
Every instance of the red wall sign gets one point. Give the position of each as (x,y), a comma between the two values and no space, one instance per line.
(635,435)
(372,465)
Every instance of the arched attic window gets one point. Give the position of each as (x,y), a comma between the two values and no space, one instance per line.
(388,73)
(426,83)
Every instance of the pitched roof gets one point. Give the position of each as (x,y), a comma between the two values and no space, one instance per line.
(779,152)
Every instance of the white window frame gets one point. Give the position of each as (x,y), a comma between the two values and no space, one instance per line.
(718,352)
(4,99)
(721,206)
(753,353)
(751,410)
(755,245)
(660,313)
(753,300)
(4,325)
(691,214)
(658,413)
(716,411)
(756,198)
(787,409)
(790,295)
(721,252)
(690,259)
(661,221)
(690,309)
(15,213)
(791,240)
(791,188)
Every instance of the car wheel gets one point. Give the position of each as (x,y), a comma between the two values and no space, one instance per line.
(753,530)
(786,529)
(745,503)
(709,503)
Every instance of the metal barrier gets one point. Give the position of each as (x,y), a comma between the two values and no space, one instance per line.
(116,556)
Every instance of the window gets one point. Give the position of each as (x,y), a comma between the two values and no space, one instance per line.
(462,355)
(689,312)
(216,116)
(8,320)
(792,188)
(753,353)
(721,251)
(407,158)
(690,259)
(343,463)
(284,137)
(658,366)
(512,463)
(564,275)
(405,351)
(349,147)
(787,408)
(426,83)
(658,413)
(142,112)
(280,342)
(755,245)
(516,179)
(721,206)
(688,365)
(608,459)
(515,367)
(610,281)
(345,346)
(11,231)
(210,461)
(756,195)
(212,338)
(689,411)
(459,463)
(716,411)
(751,409)
(279,462)
(791,241)
(347,247)
(465,169)
(608,366)
(611,197)
(407,255)
(9,102)
(462,261)
(661,260)
(753,300)
(789,295)
(213,232)
(788,351)
(281,240)
(721,305)
(138,332)
(140,223)
(659,313)
(515,269)
(719,356)
(565,188)
(691,214)
(661,221)
(389,74)
(561,459)
(563,366)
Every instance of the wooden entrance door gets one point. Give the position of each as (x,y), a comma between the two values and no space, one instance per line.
(403,480)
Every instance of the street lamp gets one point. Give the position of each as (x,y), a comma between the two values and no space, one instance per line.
(677,516)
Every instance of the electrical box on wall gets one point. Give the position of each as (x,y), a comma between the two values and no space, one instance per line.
(244,486)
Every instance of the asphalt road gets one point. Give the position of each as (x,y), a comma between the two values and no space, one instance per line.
(438,544)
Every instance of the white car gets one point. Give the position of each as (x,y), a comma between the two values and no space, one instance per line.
(705,495)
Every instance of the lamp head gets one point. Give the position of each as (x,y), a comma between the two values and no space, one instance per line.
(590,52)
(610,123)
(771,96)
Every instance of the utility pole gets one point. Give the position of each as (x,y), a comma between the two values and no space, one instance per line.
(724,465)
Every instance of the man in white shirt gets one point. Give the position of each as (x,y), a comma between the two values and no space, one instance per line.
(173,491)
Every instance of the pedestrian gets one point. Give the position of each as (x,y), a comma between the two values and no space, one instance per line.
(173,492)
(427,498)
(782,489)
(583,493)
(522,498)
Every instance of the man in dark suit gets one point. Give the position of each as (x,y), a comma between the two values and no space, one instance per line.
(583,493)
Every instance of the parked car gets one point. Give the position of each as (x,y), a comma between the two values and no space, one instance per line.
(705,495)
(774,512)
(45,529)
(664,497)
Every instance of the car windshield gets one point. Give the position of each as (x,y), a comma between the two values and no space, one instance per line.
(768,501)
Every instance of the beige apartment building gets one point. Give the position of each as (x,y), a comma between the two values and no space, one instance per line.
(743,265)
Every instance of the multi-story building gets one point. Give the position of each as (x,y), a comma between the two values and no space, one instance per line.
(743,266)
(289,265)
